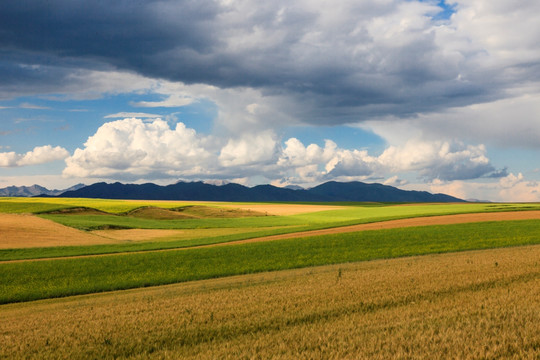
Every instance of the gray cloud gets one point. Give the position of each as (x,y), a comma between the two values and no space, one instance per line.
(340,63)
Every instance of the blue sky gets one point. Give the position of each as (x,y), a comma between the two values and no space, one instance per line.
(441,96)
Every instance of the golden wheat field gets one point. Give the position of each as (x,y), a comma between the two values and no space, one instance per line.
(477,304)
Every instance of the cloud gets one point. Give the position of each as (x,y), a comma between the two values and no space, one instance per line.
(312,163)
(171,101)
(335,63)
(439,160)
(59,79)
(505,123)
(132,149)
(9,159)
(395,181)
(33,107)
(131,115)
(259,149)
(430,160)
(39,155)
(511,188)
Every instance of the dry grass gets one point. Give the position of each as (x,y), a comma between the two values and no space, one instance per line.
(24,231)
(282,209)
(191,212)
(27,231)
(481,304)
(77,211)
(116,236)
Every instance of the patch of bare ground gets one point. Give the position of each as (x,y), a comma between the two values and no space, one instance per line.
(467,305)
(25,231)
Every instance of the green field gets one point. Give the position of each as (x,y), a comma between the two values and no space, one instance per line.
(32,280)
(116,215)
(326,284)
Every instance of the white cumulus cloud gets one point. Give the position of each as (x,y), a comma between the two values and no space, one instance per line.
(438,160)
(39,155)
(131,148)
(257,149)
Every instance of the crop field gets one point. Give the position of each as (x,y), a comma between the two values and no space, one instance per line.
(97,278)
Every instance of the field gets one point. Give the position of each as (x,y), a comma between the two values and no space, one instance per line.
(123,279)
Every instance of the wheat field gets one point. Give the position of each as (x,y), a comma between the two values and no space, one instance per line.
(468,305)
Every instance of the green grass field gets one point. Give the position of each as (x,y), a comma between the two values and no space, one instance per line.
(38,205)
(32,280)
(116,216)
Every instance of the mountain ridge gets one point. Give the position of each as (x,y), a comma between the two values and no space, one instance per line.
(34,190)
(331,191)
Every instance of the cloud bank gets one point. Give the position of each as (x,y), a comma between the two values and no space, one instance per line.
(337,62)
(134,149)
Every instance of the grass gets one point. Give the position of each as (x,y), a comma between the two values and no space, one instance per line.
(32,280)
(41,205)
(316,220)
(123,247)
(15,206)
(243,227)
(38,205)
(482,304)
(96,222)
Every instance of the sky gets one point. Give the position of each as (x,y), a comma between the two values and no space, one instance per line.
(442,96)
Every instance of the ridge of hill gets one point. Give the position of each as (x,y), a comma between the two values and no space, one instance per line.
(34,190)
(327,192)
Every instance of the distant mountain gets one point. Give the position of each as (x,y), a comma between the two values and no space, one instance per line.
(330,191)
(358,191)
(34,190)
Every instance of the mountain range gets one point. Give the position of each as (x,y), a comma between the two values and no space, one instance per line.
(327,192)
(34,190)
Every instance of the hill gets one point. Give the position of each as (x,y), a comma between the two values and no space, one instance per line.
(327,192)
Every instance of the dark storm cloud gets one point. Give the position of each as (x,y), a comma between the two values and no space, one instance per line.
(104,29)
(339,63)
